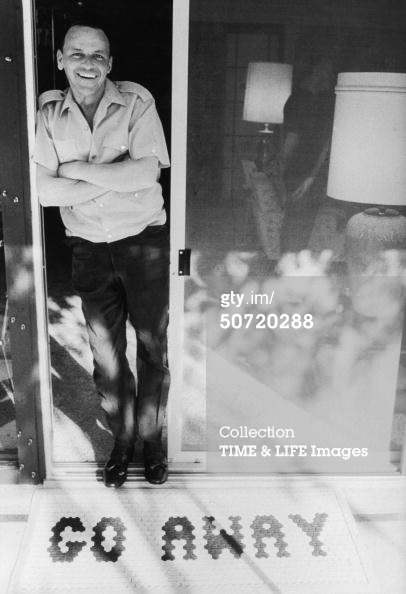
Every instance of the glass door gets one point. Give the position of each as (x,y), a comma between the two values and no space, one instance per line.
(210,61)
(270,349)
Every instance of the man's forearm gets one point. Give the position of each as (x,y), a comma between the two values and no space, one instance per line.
(58,191)
(289,145)
(123,176)
(321,160)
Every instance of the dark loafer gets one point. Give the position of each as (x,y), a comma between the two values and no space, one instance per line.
(156,474)
(115,469)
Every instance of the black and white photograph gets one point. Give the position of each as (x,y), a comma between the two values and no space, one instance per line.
(202,296)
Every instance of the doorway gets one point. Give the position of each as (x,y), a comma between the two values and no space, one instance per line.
(141,35)
(69,425)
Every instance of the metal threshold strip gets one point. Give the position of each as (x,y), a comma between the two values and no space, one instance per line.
(181,473)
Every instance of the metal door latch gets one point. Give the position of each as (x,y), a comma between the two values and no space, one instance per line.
(184,262)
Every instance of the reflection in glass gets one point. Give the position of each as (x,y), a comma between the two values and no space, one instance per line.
(244,224)
(7,410)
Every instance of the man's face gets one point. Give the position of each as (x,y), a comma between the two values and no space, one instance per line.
(86,59)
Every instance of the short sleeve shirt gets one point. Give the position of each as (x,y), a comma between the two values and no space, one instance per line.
(126,123)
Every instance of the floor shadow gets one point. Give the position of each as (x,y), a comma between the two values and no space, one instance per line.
(74,396)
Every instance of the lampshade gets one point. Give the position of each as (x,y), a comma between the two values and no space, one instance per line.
(268,86)
(368,152)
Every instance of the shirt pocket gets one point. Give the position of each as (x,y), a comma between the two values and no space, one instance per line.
(66,150)
(115,147)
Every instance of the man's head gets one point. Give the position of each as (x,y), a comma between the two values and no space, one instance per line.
(85,57)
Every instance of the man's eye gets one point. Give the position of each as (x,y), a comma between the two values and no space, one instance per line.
(99,57)
(77,55)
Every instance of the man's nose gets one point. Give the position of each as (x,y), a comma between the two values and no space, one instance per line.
(87,61)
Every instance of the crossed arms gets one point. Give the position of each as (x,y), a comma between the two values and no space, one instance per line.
(79,181)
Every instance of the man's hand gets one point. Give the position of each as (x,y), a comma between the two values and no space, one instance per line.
(302,189)
(308,182)
(54,190)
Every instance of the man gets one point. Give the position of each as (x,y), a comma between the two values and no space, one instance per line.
(308,120)
(99,150)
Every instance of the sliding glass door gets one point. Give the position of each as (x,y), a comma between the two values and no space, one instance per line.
(268,338)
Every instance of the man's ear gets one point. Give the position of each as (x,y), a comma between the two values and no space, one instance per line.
(59,59)
(110,64)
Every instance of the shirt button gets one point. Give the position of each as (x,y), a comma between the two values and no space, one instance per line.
(109,236)
(101,205)
(153,150)
(123,148)
(136,194)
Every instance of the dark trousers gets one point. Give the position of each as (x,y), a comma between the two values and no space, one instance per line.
(127,279)
(300,215)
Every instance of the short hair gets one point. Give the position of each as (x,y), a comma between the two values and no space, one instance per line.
(89,24)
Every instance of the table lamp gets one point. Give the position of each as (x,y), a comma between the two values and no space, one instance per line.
(269,85)
(368,160)
(368,163)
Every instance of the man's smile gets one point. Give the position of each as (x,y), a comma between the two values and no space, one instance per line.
(87,75)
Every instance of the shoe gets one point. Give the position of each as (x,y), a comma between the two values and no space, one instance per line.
(156,474)
(115,469)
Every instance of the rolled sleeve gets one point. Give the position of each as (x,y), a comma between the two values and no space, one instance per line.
(146,136)
(44,152)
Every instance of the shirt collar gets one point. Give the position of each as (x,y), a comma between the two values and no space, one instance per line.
(111,95)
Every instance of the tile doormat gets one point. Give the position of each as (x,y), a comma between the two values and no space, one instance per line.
(291,539)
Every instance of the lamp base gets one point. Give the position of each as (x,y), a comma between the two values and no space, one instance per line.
(372,232)
(265,148)
(368,235)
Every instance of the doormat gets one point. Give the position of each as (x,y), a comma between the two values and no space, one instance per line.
(193,540)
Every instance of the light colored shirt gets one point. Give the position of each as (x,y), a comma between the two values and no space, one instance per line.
(126,123)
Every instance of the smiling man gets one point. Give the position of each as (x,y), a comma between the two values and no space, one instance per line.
(99,150)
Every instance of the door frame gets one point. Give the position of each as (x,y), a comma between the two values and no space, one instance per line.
(44,358)
(180,460)
(40,407)
(23,253)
